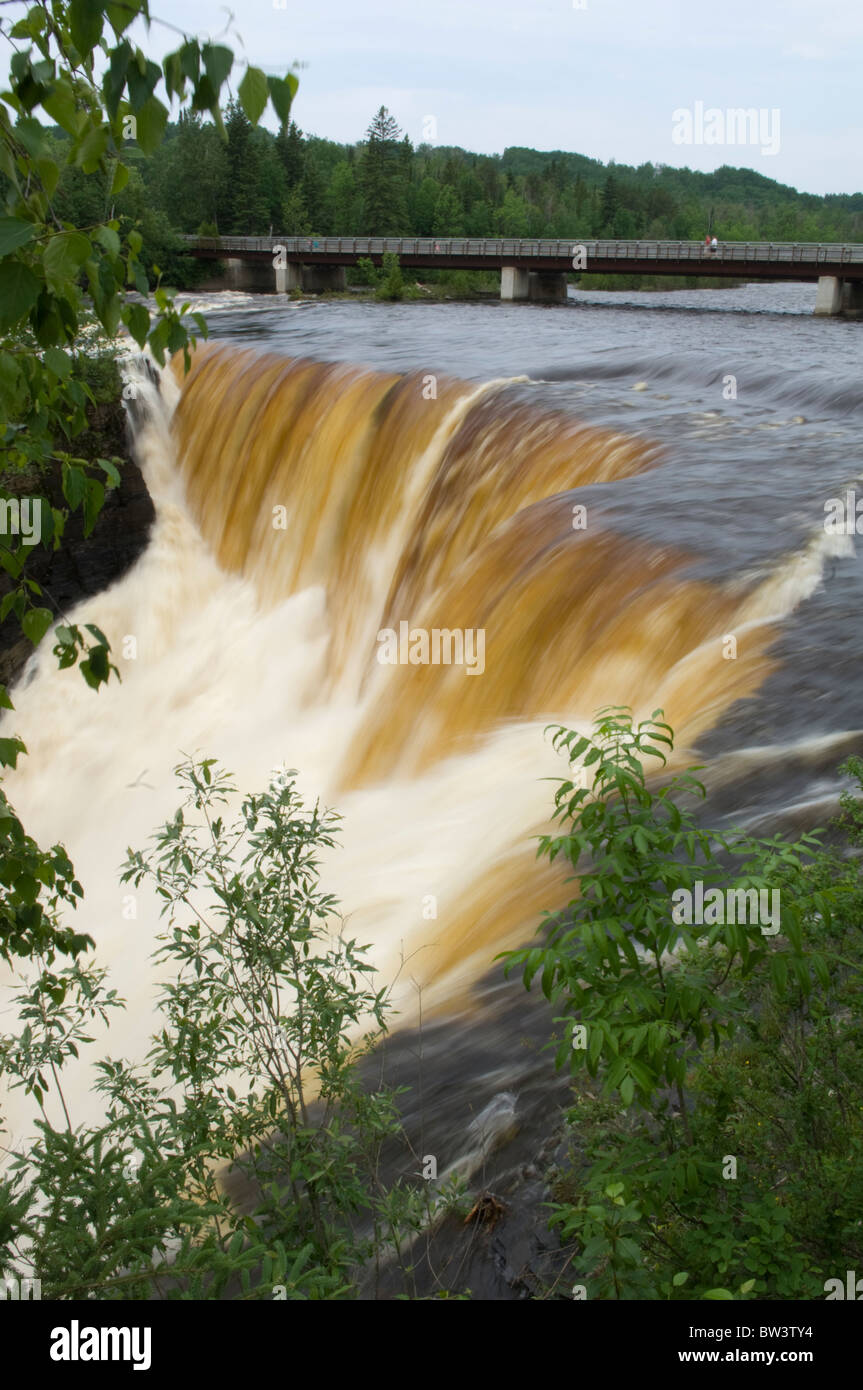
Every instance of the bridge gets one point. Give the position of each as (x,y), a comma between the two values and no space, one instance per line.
(537,269)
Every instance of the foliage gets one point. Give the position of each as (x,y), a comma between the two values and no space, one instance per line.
(74,266)
(383,177)
(252,1071)
(382,185)
(75,64)
(721,1116)
(391,284)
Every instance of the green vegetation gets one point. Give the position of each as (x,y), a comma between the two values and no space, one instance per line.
(252,1068)
(720,1120)
(383,186)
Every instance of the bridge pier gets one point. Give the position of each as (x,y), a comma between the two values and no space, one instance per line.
(837,297)
(514,283)
(547,286)
(539,286)
(318,279)
(852,299)
(288,277)
(828,299)
(249,275)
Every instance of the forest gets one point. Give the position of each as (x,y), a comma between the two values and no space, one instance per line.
(250,182)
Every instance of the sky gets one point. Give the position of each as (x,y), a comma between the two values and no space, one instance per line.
(598,77)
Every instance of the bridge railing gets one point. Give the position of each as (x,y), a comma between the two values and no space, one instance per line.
(521,248)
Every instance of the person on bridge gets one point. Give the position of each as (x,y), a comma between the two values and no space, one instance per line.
(714,246)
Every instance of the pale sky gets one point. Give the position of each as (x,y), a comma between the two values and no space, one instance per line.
(603,80)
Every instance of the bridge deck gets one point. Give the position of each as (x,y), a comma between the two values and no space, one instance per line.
(757,260)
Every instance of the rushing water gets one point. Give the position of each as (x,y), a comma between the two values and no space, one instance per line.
(436,480)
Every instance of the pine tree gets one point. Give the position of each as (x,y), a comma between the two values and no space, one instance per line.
(383,178)
(243,203)
(291,148)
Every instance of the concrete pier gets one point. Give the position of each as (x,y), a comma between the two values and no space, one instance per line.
(249,275)
(547,287)
(852,299)
(828,299)
(514,283)
(288,277)
(318,279)
(539,286)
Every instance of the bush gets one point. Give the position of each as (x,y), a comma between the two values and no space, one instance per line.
(723,1147)
(251,1070)
(391,284)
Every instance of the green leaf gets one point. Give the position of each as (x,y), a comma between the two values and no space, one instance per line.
(64,256)
(141,85)
(121,177)
(121,16)
(282,94)
(107,237)
(14,233)
(253,93)
(74,485)
(137,320)
(19,290)
(93,500)
(151,121)
(92,148)
(58,362)
(62,108)
(10,750)
(85,22)
(218,62)
(115,78)
(35,623)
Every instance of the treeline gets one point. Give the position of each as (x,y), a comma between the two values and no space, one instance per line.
(298,184)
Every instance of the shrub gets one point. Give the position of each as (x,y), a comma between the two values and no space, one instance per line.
(251,1070)
(723,1148)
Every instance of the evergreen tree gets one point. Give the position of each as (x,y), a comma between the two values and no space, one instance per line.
(291,151)
(383,178)
(609,207)
(243,203)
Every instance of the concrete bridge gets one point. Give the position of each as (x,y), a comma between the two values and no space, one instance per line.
(538,270)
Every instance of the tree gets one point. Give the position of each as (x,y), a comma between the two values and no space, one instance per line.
(448,214)
(188,173)
(244,207)
(294,218)
(342,200)
(512,216)
(382,178)
(609,207)
(423,203)
(291,150)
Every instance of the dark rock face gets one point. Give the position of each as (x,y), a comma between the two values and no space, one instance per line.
(83,565)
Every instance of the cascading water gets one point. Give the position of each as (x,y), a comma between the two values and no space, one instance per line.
(302,509)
